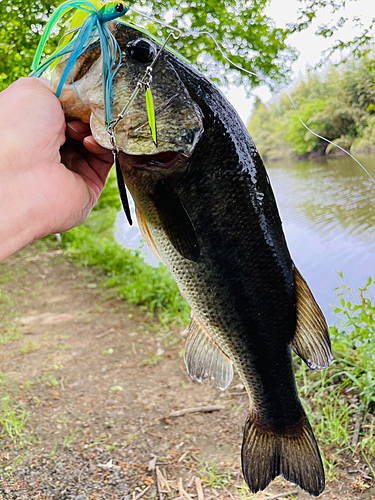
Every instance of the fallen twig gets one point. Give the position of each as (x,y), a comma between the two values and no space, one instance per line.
(229,493)
(203,409)
(357,429)
(81,471)
(152,464)
(140,495)
(163,482)
(107,332)
(181,490)
(198,486)
(161,497)
(182,457)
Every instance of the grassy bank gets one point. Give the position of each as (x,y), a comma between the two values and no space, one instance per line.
(128,276)
(340,400)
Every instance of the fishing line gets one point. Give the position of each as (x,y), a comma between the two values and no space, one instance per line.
(181,34)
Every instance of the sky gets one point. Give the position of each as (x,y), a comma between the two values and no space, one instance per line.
(309,45)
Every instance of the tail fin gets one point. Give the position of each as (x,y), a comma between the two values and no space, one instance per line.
(295,456)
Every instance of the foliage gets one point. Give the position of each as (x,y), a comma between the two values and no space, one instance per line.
(359,46)
(246,33)
(126,273)
(336,103)
(301,139)
(345,392)
(20,25)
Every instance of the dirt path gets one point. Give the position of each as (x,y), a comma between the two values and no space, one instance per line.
(99,381)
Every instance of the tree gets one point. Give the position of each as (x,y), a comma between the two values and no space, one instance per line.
(20,24)
(336,103)
(247,35)
(359,46)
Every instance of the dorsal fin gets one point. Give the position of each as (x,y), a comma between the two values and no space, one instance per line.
(146,233)
(204,358)
(311,340)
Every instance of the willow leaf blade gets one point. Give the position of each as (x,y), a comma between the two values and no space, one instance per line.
(151,115)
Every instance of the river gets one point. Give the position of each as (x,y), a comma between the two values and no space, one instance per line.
(328,211)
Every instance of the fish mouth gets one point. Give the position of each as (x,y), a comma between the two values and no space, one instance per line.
(164,163)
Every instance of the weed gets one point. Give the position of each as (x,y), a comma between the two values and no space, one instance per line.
(237,408)
(53,452)
(13,421)
(346,390)
(19,460)
(154,360)
(28,347)
(3,378)
(108,351)
(50,380)
(9,330)
(62,347)
(102,439)
(70,437)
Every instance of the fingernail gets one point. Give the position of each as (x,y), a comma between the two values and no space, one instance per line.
(76,127)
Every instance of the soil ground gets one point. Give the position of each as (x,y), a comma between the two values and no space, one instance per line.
(98,381)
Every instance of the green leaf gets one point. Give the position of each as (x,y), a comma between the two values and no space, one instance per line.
(151,115)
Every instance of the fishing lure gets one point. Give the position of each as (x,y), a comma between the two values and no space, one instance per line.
(94,17)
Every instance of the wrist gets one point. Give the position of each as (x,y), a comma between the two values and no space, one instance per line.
(20,218)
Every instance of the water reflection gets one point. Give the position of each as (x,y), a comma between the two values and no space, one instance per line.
(327,208)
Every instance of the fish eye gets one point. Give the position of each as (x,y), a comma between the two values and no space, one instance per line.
(141,51)
(119,7)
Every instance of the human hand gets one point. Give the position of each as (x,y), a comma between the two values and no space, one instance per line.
(51,172)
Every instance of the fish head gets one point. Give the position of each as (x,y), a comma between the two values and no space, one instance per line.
(179,119)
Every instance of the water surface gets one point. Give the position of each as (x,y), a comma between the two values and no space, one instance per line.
(328,214)
(327,209)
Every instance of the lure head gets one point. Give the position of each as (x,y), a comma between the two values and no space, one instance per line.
(178,118)
(112,10)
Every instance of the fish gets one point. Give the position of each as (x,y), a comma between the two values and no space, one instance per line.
(206,208)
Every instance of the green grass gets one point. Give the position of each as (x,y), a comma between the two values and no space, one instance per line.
(127,275)
(337,397)
(13,420)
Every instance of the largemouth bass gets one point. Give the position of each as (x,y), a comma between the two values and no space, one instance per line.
(206,208)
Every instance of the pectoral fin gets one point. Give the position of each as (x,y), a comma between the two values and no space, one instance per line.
(204,358)
(311,340)
(146,233)
(176,222)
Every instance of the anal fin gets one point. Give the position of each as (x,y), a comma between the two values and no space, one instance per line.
(311,340)
(204,358)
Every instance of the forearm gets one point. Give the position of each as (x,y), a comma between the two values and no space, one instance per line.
(20,222)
